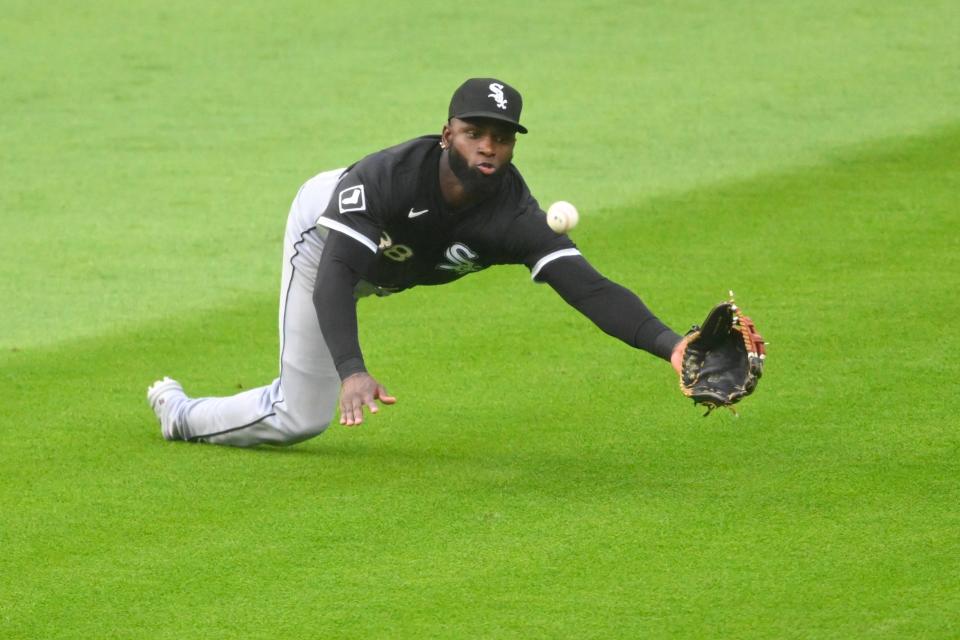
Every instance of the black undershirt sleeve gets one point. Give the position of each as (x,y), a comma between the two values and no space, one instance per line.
(612,307)
(342,262)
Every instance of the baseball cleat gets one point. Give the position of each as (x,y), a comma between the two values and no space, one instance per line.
(166,397)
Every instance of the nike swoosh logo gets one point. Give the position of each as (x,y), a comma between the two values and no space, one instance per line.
(414,214)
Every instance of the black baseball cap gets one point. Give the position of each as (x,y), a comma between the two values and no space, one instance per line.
(487,98)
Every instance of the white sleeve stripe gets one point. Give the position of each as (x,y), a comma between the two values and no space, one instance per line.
(550,257)
(353,233)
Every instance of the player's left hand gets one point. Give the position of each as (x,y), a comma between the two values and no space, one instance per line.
(676,358)
(361,390)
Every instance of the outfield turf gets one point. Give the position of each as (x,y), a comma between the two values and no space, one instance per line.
(536,478)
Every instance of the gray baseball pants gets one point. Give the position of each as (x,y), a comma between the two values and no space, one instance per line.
(301,402)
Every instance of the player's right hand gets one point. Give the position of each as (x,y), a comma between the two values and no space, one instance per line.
(357,391)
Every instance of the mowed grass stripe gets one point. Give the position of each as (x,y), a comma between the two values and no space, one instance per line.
(145,142)
(536,478)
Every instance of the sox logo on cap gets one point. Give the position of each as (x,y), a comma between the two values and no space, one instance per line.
(497,95)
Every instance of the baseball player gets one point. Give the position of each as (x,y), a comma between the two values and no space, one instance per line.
(425,212)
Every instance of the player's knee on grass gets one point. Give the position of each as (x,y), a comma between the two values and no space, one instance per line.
(293,430)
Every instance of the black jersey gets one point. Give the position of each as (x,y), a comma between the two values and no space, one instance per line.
(395,231)
(391,203)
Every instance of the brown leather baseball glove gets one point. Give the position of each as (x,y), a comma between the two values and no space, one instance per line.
(723,359)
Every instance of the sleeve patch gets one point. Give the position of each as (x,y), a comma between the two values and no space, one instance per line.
(352,199)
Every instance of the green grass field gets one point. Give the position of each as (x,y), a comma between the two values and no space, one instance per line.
(536,479)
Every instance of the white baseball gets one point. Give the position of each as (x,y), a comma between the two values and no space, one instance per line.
(562,216)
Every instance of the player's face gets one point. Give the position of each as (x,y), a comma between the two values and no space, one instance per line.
(480,150)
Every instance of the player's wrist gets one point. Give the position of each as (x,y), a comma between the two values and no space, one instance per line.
(666,343)
(350,367)
(676,355)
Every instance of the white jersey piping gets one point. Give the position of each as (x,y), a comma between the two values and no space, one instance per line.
(550,257)
(353,233)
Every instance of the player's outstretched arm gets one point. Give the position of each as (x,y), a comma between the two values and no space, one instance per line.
(358,391)
(612,307)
